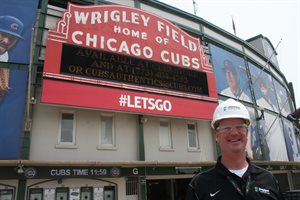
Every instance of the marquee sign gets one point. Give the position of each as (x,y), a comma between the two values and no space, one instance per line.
(156,49)
(130,31)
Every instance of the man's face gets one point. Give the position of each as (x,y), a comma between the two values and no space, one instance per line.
(264,90)
(231,78)
(232,135)
(6,42)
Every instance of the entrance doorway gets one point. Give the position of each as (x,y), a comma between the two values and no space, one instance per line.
(170,189)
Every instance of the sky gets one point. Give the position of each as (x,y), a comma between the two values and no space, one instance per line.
(278,20)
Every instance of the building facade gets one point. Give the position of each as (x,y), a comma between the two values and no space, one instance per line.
(118,97)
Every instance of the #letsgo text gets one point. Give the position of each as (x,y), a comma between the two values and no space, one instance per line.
(147,103)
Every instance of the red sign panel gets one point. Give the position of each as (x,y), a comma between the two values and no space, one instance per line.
(125,31)
(131,32)
(76,94)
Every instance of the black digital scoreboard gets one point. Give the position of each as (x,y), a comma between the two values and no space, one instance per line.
(95,64)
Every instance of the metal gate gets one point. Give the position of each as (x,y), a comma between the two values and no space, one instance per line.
(132,189)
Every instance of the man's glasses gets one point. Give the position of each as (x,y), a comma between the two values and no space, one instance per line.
(242,128)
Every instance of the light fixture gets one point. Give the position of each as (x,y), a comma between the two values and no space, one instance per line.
(144,120)
(20,169)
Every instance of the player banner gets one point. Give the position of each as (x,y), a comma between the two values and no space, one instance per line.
(17,18)
(12,105)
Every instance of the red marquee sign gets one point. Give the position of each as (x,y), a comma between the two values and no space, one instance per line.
(130,32)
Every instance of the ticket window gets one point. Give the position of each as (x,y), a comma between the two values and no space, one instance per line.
(62,194)
(109,193)
(74,194)
(86,193)
(36,194)
(7,194)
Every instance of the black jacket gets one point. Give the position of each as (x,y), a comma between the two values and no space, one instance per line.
(220,183)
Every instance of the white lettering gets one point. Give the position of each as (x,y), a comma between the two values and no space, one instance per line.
(96,17)
(145,20)
(158,39)
(91,39)
(80,172)
(81,17)
(112,44)
(124,47)
(125,19)
(109,41)
(117,29)
(158,104)
(192,46)
(176,36)
(129,32)
(135,171)
(178,59)
(163,56)
(134,18)
(161,27)
(135,49)
(167,105)
(185,61)
(114,15)
(196,64)
(175,58)
(151,103)
(147,52)
(128,102)
(60,172)
(74,39)
(139,102)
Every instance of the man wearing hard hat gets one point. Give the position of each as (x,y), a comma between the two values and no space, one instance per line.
(10,31)
(233,176)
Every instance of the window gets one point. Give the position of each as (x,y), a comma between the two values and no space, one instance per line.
(62,193)
(34,193)
(192,136)
(67,128)
(86,193)
(107,133)
(6,194)
(165,135)
(132,186)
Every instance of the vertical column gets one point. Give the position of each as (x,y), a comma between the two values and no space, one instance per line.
(141,138)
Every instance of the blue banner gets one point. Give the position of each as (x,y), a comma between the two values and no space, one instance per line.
(263,88)
(291,141)
(12,104)
(17,18)
(231,74)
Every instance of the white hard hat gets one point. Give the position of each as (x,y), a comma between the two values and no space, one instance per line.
(230,109)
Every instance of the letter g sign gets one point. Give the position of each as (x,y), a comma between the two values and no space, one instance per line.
(135,171)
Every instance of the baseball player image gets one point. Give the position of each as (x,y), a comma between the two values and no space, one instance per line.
(233,81)
(11,30)
(265,100)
